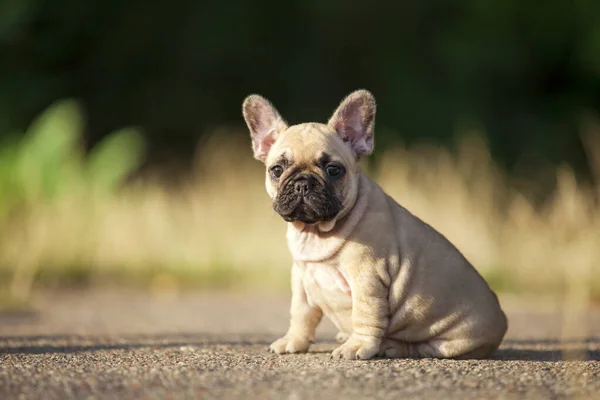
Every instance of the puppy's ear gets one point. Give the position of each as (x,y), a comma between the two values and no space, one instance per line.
(354,121)
(264,123)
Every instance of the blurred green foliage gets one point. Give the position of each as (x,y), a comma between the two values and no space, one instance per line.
(524,72)
(46,162)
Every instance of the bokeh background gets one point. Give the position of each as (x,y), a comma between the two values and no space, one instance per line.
(125,162)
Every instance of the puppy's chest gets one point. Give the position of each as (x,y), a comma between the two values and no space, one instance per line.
(326,283)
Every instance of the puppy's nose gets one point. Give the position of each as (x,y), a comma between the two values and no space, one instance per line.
(303,186)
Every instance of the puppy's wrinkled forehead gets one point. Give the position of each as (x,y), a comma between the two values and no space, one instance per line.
(307,143)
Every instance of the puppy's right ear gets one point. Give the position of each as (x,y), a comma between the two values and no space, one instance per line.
(264,122)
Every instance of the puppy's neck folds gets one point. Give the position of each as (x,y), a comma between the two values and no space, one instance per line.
(308,243)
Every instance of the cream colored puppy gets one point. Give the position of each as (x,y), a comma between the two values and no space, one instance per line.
(391,284)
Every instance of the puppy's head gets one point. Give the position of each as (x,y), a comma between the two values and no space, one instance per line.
(312,169)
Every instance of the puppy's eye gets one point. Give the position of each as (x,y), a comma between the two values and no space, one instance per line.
(276,171)
(334,170)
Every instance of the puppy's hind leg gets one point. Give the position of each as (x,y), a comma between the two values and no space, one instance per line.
(482,352)
(458,349)
(437,348)
(391,348)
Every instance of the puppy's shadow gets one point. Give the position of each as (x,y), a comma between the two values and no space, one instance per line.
(556,350)
(545,355)
(522,350)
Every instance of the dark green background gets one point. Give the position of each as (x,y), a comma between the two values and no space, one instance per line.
(525,72)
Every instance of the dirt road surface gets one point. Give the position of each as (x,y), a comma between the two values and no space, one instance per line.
(118,345)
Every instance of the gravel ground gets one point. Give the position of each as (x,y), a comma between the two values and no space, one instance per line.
(116,345)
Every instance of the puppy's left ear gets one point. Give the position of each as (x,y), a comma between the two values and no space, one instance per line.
(264,122)
(354,121)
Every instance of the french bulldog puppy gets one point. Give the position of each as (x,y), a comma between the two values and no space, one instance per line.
(392,285)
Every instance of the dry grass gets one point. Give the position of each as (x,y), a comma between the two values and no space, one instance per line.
(220,228)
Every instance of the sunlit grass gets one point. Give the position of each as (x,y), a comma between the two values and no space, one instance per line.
(219,230)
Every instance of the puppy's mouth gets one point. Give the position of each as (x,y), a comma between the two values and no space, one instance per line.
(307,215)
(307,199)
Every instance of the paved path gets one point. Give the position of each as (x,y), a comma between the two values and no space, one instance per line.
(201,346)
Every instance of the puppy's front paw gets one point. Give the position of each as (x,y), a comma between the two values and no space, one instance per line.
(289,344)
(357,348)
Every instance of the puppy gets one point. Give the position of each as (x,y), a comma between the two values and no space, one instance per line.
(392,285)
